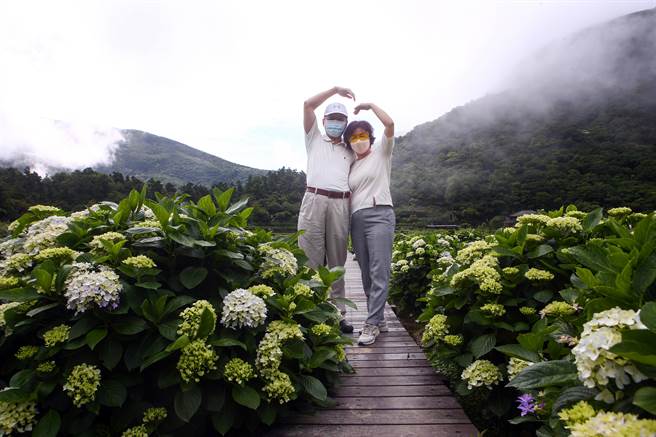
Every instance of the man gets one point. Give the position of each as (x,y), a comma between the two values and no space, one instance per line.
(324,214)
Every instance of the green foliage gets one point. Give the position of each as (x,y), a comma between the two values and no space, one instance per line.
(149,316)
(524,297)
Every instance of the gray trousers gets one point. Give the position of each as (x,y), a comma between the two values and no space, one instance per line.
(372,234)
(326,224)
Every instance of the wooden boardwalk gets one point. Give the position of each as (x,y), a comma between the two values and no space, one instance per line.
(394,392)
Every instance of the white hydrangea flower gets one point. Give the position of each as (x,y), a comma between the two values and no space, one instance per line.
(242,308)
(595,363)
(43,233)
(418,243)
(89,285)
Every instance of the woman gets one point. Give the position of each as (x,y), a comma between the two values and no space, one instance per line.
(372,215)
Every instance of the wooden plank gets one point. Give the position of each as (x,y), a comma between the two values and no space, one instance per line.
(396,403)
(386,357)
(384,349)
(381,417)
(390,380)
(393,363)
(391,390)
(390,371)
(442,430)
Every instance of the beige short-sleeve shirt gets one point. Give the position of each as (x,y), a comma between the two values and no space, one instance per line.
(369,179)
(328,164)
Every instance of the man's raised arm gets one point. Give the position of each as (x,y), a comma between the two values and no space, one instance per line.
(311,104)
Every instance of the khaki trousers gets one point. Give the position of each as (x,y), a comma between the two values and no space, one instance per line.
(326,225)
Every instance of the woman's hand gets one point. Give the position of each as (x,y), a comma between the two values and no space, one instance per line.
(362,107)
(345,92)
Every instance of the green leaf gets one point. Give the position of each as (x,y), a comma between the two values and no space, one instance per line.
(347,302)
(19,294)
(648,315)
(482,345)
(186,403)
(228,342)
(110,352)
(571,395)
(207,324)
(215,399)
(267,414)
(160,212)
(320,356)
(130,325)
(543,296)
(637,345)
(246,396)
(151,285)
(153,359)
(94,337)
(592,219)
(181,342)
(13,394)
(112,393)
(82,327)
(645,274)
(314,387)
(237,206)
(539,251)
(43,278)
(517,351)
(645,398)
(222,422)
(206,204)
(48,426)
(223,199)
(545,374)
(191,277)
(41,309)
(531,341)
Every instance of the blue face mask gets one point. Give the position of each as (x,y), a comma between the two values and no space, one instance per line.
(335,128)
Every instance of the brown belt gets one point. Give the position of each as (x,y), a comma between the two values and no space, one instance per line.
(331,194)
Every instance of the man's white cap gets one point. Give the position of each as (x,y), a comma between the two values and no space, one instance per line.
(335,108)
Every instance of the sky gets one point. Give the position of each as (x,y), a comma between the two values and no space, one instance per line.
(230,77)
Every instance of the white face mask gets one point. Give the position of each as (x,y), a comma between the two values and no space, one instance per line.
(361,146)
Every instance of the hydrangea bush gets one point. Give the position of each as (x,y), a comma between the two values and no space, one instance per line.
(555,318)
(159,316)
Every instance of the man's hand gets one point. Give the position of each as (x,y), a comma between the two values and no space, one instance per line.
(345,92)
(362,107)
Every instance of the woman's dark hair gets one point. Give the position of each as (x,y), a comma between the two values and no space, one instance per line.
(364,125)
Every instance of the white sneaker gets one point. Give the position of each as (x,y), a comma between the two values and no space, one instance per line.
(369,334)
(382,327)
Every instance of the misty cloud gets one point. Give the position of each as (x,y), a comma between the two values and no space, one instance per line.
(47,145)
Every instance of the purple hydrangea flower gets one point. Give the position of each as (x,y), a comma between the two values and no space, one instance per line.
(526,404)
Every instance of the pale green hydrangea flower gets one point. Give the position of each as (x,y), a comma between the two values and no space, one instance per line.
(109,237)
(17,417)
(527,311)
(264,291)
(46,367)
(321,329)
(277,262)
(494,309)
(196,359)
(483,273)
(191,318)
(8,282)
(241,308)
(614,424)
(279,387)
(154,415)
(88,285)
(136,431)
(435,330)
(238,371)
(44,209)
(510,271)
(44,233)
(532,219)
(18,262)
(302,290)
(578,413)
(534,274)
(340,352)
(57,254)
(453,340)
(595,363)
(58,334)
(620,212)
(577,214)
(516,365)
(473,251)
(481,373)
(557,309)
(140,262)
(269,352)
(82,384)
(565,224)
(26,352)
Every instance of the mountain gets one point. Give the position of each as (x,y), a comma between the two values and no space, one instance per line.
(146,156)
(578,125)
